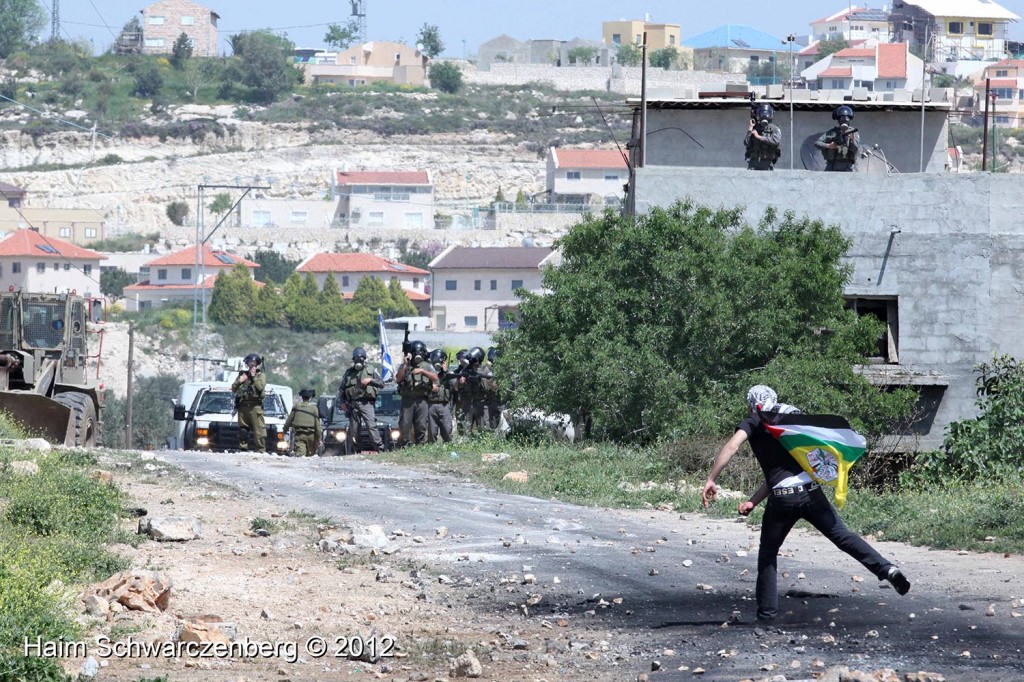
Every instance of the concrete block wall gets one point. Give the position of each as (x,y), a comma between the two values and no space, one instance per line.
(950,247)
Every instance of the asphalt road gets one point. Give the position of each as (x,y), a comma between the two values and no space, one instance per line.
(679,577)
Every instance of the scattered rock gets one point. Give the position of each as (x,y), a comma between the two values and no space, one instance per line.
(24,467)
(136,591)
(89,669)
(465,665)
(516,477)
(96,605)
(201,631)
(34,444)
(171,528)
(494,456)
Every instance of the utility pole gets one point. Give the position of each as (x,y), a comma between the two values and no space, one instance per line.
(984,133)
(643,103)
(55,23)
(199,288)
(791,38)
(131,371)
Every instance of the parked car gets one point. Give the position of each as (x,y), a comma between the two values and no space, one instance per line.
(211,423)
(336,425)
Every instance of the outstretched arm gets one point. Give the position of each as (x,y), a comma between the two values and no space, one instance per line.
(710,490)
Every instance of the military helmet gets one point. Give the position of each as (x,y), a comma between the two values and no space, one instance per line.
(492,353)
(437,356)
(251,358)
(307,394)
(462,357)
(843,114)
(358,354)
(476,354)
(418,348)
(764,112)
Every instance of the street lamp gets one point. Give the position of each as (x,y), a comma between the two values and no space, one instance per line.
(792,69)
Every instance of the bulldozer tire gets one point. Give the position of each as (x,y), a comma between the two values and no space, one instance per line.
(83,418)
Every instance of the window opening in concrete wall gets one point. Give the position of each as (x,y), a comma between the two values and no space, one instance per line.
(886,310)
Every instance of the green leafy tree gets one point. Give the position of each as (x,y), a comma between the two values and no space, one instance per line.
(269,310)
(177,212)
(221,204)
(446,77)
(331,303)
(340,36)
(582,54)
(302,303)
(401,306)
(20,23)
(266,64)
(372,294)
(629,55)
(114,280)
(696,306)
(987,446)
(429,38)
(831,46)
(776,69)
(148,81)
(181,51)
(665,58)
(273,267)
(234,297)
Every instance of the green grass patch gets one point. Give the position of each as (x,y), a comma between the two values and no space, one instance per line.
(54,527)
(968,515)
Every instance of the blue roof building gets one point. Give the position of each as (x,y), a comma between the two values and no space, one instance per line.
(734,35)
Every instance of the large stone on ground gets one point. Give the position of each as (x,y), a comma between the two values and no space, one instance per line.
(171,528)
(136,591)
(465,665)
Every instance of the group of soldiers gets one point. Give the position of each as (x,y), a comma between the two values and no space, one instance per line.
(839,145)
(434,398)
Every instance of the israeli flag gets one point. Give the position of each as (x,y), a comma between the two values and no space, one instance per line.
(387,365)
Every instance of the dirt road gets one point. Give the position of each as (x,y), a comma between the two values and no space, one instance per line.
(658,581)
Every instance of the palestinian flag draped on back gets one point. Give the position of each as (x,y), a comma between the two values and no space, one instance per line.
(824,445)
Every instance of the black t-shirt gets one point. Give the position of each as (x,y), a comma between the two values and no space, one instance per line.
(776,463)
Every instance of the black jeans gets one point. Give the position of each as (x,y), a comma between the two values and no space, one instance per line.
(780,516)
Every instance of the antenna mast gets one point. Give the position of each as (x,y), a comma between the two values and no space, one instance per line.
(55,24)
(359,16)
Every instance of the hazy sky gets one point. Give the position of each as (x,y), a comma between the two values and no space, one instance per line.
(472,21)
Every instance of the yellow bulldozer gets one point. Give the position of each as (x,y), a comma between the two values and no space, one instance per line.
(44,377)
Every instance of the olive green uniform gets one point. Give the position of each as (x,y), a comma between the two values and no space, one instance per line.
(762,153)
(305,419)
(249,396)
(413,421)
(439,412)
(478,387)
(359,402)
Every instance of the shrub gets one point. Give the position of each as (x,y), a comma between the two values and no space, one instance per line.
(446,77)
(177,212)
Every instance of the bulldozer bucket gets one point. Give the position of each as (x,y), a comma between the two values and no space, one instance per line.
(41,417)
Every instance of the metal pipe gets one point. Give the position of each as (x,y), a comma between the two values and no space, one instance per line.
(984,132)
(924,69)
(643,103)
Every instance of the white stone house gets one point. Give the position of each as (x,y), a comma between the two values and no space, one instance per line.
(288,214)
(954,30)
(385,199)
(174,277)
(585,176)
(33,262)
(474,289)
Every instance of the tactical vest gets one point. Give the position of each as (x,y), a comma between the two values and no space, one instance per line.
(443,394)
(352,388)
(422,384)
(305,417)
(248,393)
(760,151)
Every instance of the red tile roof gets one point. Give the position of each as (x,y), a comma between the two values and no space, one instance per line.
(27,242)
(211,258)
(856,52)
(208,283)
(589,158)
(892,60)
(383,178)
(1011,63)
(836,72)
(357,262)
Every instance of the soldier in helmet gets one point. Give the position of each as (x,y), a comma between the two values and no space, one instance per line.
(248,388)
(477,381)
(439,401)
(840,143)
(763,140)
(415,378)
(492,397)
(305,420)
(460,398)
(358,393)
